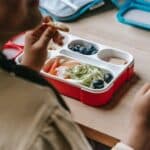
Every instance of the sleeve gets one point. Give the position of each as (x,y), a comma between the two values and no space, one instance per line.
(60,132)
(122,146)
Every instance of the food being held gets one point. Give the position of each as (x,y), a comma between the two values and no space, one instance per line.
(59,26)
(56,25)
(58,39)
(84,74)
(83,48)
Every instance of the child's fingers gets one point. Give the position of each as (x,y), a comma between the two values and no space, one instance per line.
(46,36)
(58,38)
(28,34)
(33,36)
(39,30)
(29,38)
(47,19)
(147,92)
(145,88)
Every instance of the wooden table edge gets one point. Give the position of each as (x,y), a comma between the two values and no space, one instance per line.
(98,136)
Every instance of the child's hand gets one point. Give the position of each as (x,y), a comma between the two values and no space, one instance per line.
(36,42)
(35,50)
(139,129)
(142,104)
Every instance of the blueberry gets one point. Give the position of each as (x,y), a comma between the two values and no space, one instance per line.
(93,52)
(89,46)
(88,52)
(71,47)
(82,50)
(93,47)
(78,46)
(98,84)
(108,77)
(75,48)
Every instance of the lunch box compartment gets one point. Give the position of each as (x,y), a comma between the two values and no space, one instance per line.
(75,82)
(83,47)
(115,57)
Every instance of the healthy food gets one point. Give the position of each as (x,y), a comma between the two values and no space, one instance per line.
(116,60)
(57,66)
(98,84)
(89,75)
(84,74)
(108,77)
(86,49)
(53,45)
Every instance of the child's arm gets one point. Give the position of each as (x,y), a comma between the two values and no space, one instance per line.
(139,132)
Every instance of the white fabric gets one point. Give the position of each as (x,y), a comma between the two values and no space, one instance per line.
(122,146)
(63,8)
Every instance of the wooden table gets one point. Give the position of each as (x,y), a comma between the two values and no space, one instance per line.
(110,123)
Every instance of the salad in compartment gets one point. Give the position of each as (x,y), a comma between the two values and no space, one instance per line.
(81,73)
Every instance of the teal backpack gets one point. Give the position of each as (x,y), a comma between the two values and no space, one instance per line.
(68,10)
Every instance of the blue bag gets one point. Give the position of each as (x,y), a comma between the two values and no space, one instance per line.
(68,10)
(134,12)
